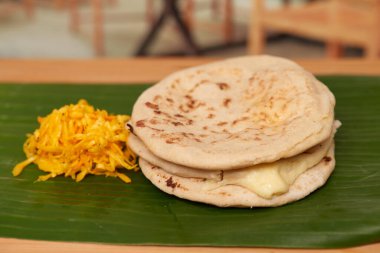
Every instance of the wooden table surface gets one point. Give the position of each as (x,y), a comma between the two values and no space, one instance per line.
(145,70)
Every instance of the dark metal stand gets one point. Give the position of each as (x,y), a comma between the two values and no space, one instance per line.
(170,9)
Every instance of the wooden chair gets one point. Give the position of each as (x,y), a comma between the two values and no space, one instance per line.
(224,7)
(7,7)
(336,22)
(98,17)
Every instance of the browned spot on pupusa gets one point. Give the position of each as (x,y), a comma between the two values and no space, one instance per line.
(178,115)
(177,123)
(205,127)
(274,79)
(239,120)
(155,130)
(151,105)
(223,86)
(233,136)
(270,102)
(222,123)
(252,79)
(172,140)
(153,121)
(174,83)
(182,109)
(191,104)
(263,116)
(157,98)
(197,85)
(166,115)
(140,123)
(327,159)
(224,194)
(171,183)
(226,102)
(181,187)
(210,116)
(257,138)
(225,131)
(284,107)
(157,112)
(170,100)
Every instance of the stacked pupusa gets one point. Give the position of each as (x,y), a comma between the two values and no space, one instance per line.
(246,132)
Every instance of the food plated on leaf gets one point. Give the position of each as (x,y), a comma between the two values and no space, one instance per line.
(246,132)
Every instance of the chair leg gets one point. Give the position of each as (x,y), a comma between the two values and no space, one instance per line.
(372,51)
(334,49)
(29,8)
(215,8)
(373,48)
(112,2)
(59,4)
(256,40)
(228,27)
(98,36)
(184,30)
(286,3)
(74,16)
(189,14)
(149,13)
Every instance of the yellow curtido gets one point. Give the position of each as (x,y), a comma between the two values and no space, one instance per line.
(77,140)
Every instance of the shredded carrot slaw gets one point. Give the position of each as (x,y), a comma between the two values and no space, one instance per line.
(77,140)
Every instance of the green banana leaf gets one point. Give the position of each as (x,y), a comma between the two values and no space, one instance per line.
(345,212)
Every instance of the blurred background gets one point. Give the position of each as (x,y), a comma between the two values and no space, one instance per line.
(126,28)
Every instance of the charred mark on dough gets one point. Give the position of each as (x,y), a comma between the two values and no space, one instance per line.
(223,86)
(170,183)
(140,123)
(151,105)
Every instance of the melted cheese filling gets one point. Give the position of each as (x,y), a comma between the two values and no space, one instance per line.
(271,179)
(266,180)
